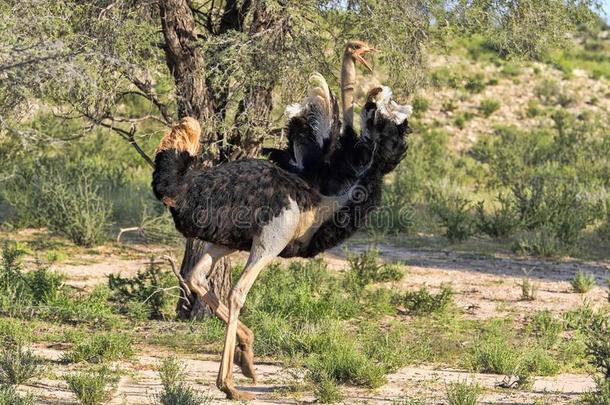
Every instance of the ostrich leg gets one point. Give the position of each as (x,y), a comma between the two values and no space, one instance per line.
(244,355)
(265,247)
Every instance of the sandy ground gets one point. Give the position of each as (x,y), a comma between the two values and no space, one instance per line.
(484,286)
(141,383)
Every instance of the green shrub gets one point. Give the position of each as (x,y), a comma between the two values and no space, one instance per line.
(546,328)
(511,70)
(327,391)
(428,163)
(489,106)
(446,77)
(541,243)
(583,282)
(175,390)
(46,286)
(455,215)
(18,365)
(14,291)
(14,333)
(598,351)
(364,269)
(493,353)
(9,396)
(548,91)
(65,197)
(88,308)
(501,222)
(92,387)
(100,348)
(533,109)
(422,302)
(395,215)
(476,83)
(599,397)
(420,105)
(150,288)
(529,289)
(462,393)
(342,361)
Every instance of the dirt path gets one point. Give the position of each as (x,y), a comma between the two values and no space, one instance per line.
(484,286)
(140,383)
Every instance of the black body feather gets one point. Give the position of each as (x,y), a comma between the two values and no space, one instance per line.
(230,203)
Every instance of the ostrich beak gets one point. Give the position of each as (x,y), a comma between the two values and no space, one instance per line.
(360,52)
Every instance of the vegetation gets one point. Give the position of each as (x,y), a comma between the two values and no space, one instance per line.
(583,282)
(508,156)
(18,365)
(100,348)
(462,393)
(175,390)
(92,387)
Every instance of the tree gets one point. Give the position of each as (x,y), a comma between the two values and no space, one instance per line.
(232,64)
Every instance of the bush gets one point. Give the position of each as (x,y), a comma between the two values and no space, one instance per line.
(533,109)
(422,302)
(175,390)
(327,391)
(446,77)
(462,393)
(501,222)
(9,396)
(100,348)
(395,215)
(598,350)
(66,198)
(476,83)
(583,282)
(546,328)
(92,387)
(555,193)
(150,289)
(364,269)
(420,105)
(489,106)
(492,353)
(529,289)
(455,215)
(18,365)
(541,243)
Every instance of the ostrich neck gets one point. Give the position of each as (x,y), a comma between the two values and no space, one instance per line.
(348,81)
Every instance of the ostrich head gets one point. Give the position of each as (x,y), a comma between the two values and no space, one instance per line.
(356,50)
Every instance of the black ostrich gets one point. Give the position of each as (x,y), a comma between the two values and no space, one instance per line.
(259,206)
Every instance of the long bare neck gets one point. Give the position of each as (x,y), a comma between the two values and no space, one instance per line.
(348,81)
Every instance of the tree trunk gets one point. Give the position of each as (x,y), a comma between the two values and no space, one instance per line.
(186,64)
(219,280)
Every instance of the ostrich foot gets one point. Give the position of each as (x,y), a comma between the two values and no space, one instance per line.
(234,394)
(244,358)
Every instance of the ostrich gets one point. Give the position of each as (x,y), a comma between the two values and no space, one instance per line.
(257,205)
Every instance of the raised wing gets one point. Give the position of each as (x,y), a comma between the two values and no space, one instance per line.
(313,129)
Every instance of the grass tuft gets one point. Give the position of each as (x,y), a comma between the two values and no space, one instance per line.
(583,282)
(92,387)
(422,302)
(100,348)
(18,365)
(10,396)
(175,390)
(462,393)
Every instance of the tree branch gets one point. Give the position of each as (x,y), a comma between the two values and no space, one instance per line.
(149,93)
(129,136)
